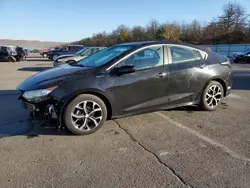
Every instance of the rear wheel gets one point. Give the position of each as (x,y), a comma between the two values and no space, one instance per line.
(85,114)
(212,96)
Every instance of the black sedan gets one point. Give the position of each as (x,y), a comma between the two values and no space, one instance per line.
(128,79)
(242,58)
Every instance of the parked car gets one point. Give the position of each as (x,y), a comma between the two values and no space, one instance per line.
(45,51)
(128,79)
(35,50)
(68,49)
(242,57)
(21,53)
(72,58)
(7,54)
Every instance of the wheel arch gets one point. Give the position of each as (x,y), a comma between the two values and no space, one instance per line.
(95,92)
(218,79)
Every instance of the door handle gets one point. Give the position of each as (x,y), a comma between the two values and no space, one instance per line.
(203,66)
(161,75)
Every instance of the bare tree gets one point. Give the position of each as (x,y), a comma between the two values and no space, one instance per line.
(232,26)
(151,29)
(234,17)
(138,33)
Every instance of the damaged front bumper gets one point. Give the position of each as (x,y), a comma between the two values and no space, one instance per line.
(49,109)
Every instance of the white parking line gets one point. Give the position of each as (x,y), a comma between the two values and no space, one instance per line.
(205,138)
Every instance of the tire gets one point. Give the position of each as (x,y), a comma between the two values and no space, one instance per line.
(54,57)
(11,59)
(211,99)
(44,55)
(84,124)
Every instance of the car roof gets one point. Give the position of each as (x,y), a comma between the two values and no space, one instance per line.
(74,45)
(148,43)
(96,47)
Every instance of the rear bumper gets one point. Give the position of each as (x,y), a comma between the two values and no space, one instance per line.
(228,91)
(229,83)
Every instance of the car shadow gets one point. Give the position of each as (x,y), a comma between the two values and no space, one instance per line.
(38,59)
(15,121)
(35,69)
(188,109)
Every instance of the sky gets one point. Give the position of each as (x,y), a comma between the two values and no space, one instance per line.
(72,20)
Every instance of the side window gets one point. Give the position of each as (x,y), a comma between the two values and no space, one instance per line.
(78,48)
(197,55)
(95,50)
(146,58)
(66,48)
(181,54)
(87,52)
(73,48)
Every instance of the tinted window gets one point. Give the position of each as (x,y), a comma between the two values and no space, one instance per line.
(181,54)
(95,50)
(146,58)
(74,48)
(87,52)
(81,52)
(197,55)
(66,48)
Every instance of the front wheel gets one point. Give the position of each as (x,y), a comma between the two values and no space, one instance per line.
(54,57)
(11,59)
(212,96)
(85,114)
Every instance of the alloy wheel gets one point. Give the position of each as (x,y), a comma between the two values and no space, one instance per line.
(213,96)
(86,116)
(54,57)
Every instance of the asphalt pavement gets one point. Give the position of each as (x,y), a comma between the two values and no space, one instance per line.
(181,147)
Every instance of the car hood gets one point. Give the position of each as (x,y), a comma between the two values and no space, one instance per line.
(75,58)
(65,56)
(54,76)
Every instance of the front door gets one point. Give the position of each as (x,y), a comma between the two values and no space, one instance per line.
(146,88)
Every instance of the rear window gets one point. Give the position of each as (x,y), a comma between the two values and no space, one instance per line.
(181,54)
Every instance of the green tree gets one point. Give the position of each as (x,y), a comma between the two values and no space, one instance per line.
(124,36)
(169,32)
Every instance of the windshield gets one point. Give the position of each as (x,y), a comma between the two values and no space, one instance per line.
(101,58)
(80,52)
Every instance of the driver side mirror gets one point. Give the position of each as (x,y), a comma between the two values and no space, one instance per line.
(125,69)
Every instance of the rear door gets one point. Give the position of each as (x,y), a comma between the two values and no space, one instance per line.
(187,74)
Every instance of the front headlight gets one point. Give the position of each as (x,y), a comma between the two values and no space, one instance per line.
(38,95)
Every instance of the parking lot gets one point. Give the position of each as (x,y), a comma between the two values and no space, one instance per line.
(182,147)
